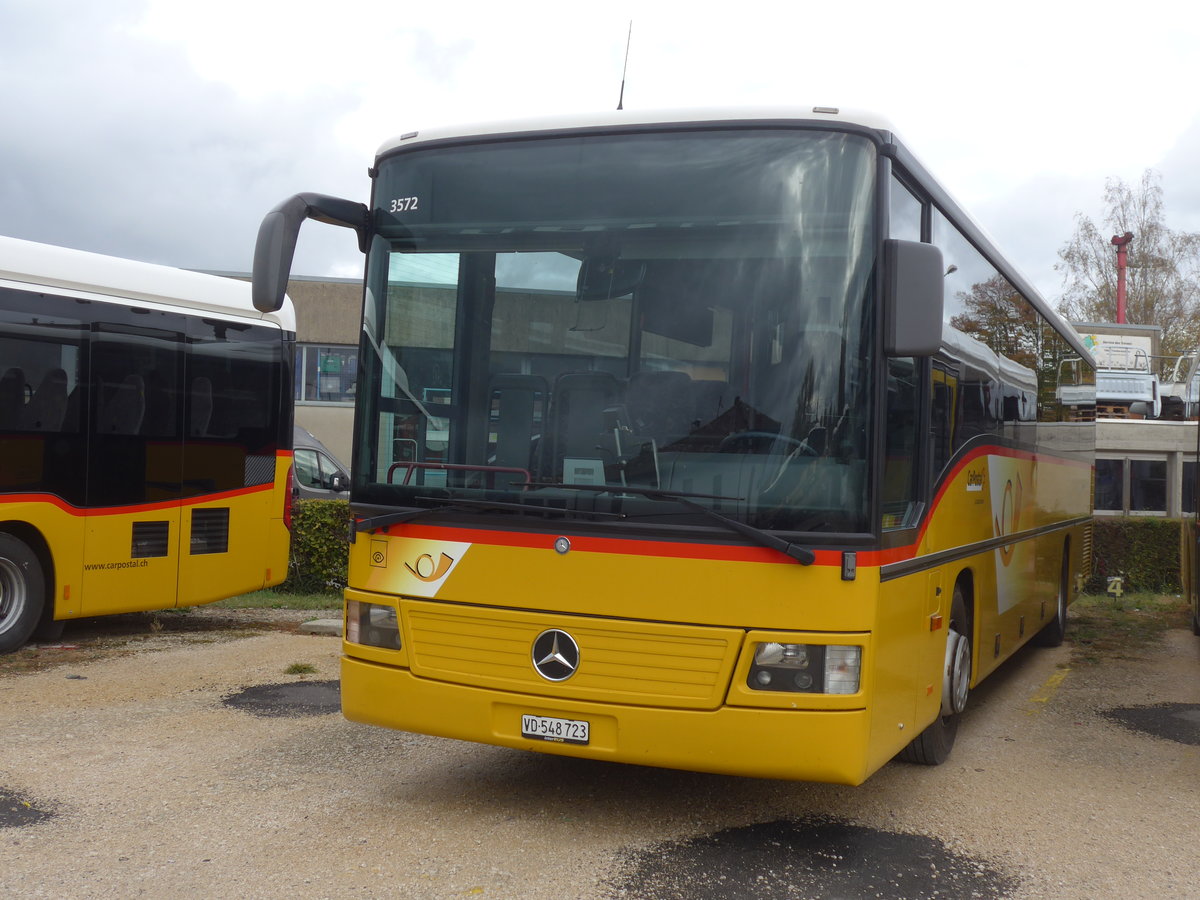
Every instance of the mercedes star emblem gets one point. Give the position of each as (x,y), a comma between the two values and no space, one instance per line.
(555,655)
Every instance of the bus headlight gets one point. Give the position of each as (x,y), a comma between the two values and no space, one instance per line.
(372,624)
(843,669)
(806,668)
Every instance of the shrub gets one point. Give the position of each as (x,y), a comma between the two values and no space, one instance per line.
(320,547)
(1144,551)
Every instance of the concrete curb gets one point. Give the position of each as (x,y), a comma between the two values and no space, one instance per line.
(322,626)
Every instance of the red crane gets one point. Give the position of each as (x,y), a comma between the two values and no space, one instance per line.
(1121,242)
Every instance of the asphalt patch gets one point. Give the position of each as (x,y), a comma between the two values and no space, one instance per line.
(813,859)
(1178,722)
(17,810)
(299,698)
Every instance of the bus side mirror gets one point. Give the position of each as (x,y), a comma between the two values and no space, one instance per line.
(276,244)
(912,298)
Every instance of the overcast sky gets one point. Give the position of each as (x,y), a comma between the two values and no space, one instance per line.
(163,130)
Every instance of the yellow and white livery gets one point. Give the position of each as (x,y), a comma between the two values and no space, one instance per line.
(716,440)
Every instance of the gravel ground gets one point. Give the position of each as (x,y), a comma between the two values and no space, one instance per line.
(133,775)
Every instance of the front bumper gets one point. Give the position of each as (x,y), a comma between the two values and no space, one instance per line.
(827,746)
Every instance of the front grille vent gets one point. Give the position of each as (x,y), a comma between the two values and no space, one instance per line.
(210,531)
(150,539)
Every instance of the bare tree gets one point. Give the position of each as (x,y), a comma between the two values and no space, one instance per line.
(1163,273)
(996,314)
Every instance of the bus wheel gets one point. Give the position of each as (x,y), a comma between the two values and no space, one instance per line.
(1056,629)
(932,746)
(22,591)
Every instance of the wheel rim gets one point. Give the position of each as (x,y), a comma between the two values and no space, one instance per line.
(12,593)
(956,684)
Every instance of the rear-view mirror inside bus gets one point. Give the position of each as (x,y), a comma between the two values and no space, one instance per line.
(607,278)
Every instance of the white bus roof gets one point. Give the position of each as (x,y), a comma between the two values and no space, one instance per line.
(48,266)
(625,118)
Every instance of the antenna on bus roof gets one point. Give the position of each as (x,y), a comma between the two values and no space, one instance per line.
(625,68)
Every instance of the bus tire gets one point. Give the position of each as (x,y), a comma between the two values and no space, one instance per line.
(22,592)
(933,745)
(1055,630)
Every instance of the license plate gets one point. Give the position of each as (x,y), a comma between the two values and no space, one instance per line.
(546,728)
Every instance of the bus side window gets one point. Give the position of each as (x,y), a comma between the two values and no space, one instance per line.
(12,398)
(125,407)
(941,421)
(48,406)
(899,489)
(201,407)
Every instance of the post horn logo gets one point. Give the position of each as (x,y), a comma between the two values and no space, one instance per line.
(1008,519)
(425,569)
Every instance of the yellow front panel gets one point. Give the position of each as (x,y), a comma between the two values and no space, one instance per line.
(655,688)
(640,580)
(629,662)
(666,631)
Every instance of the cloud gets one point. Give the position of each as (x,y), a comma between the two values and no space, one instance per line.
(114,144)
(1181,180)
(1034,219)
(151,129)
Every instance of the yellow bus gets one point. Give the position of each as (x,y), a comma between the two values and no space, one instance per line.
(145,438)
(718,440)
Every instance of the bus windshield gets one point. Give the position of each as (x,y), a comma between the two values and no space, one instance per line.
(689,312)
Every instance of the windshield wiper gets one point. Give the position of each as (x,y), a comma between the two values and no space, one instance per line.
(802,555)
(408,515)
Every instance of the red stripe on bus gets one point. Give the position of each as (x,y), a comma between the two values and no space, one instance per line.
(693,550)
(626,546)
(70,509)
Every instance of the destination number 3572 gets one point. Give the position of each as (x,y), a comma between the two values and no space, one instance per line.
(404,204)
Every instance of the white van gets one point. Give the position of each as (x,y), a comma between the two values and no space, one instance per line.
(318,475)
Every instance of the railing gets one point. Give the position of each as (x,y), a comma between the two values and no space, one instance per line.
(490,471)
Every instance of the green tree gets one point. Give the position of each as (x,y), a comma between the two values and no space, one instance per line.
(1163,274)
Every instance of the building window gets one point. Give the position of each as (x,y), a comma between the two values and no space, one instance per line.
(326,373)
(1139,487)
(1110,485)
(1188,497)
(1148,486)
